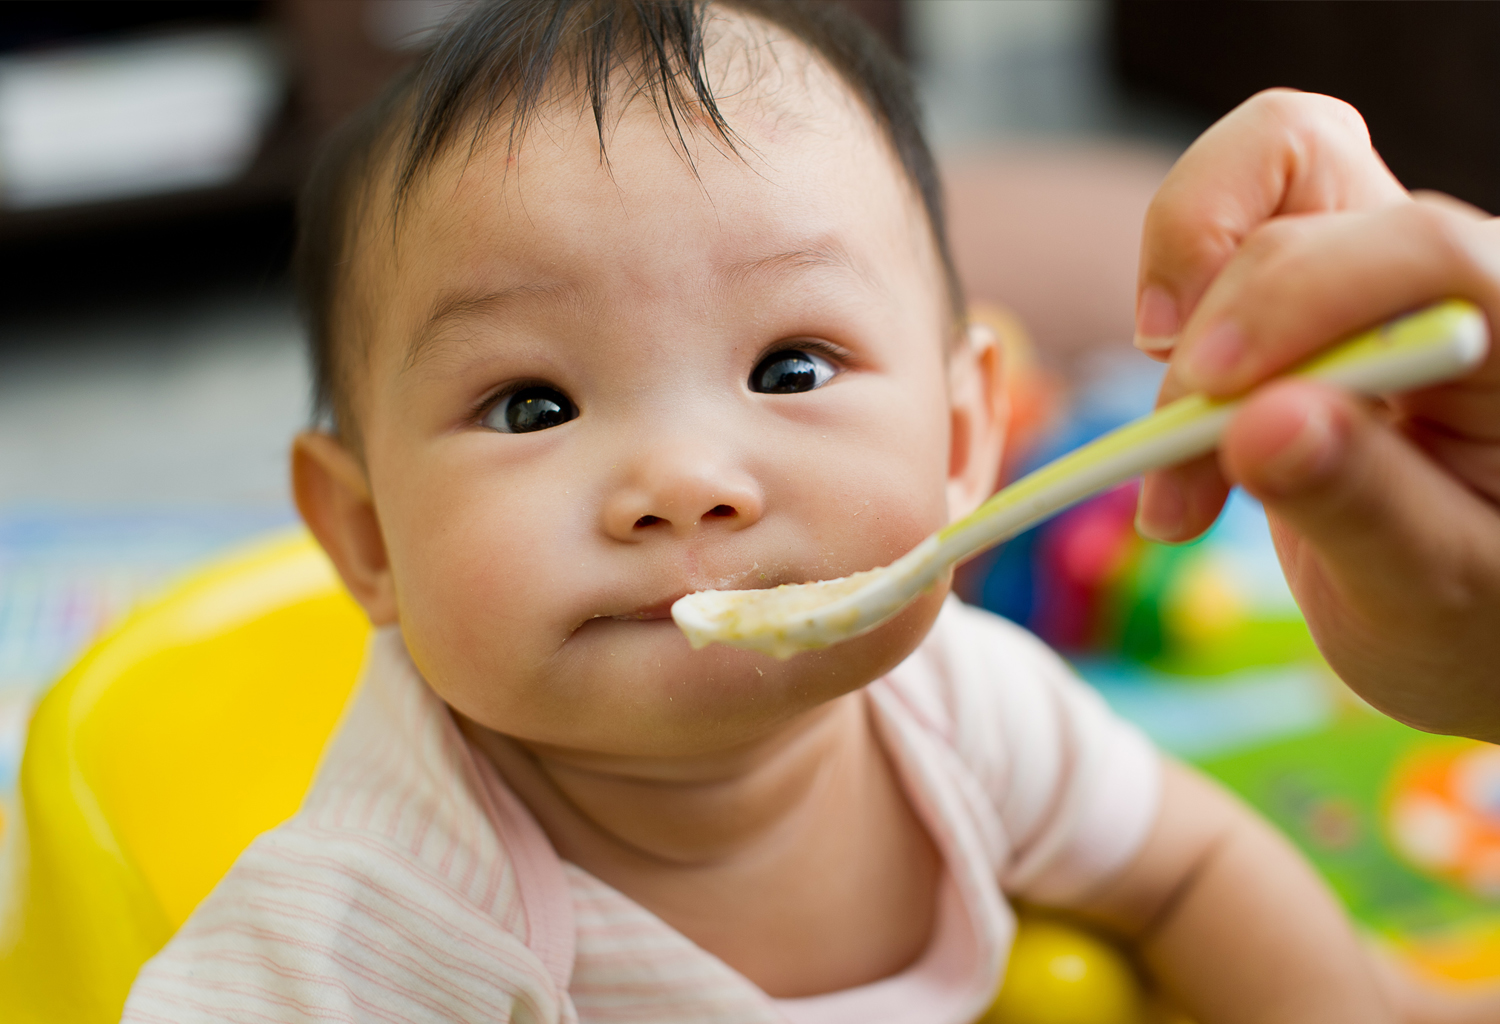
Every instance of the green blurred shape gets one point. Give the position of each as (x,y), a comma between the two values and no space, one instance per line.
(1328,791)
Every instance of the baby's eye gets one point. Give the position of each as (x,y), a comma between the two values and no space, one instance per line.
(789,371)
(533,408)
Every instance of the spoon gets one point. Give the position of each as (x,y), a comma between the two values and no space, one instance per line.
(1431,345)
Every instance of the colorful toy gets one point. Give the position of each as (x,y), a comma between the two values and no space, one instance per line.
(1061,974)
(1444,815)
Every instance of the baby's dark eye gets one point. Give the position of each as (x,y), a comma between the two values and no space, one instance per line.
(533,408)
(790,371)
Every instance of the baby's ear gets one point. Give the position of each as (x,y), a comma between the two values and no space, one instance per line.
(979,410)
(333,496)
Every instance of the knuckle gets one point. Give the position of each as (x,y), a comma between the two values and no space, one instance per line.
(1278,101)
(1274,262)
(1274,242)
(1309,112)
(1335,113)
(1443,232)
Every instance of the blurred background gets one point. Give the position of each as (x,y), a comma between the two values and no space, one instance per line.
(151,365)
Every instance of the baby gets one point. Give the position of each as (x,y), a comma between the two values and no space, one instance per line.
(617,301)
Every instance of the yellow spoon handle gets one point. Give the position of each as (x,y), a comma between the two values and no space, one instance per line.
(1434,344)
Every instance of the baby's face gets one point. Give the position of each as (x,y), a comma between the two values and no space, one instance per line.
(594,388)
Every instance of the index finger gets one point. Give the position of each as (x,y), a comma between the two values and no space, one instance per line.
(1280,152)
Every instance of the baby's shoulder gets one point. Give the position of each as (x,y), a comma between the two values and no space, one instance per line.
(1060,789)
(1007,707)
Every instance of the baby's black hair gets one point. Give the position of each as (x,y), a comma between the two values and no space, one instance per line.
(500,56)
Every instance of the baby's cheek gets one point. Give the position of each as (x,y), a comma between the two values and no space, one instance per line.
(890,496)
(475,588)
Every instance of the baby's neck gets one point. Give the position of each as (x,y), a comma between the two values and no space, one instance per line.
(684,811)
(805,833)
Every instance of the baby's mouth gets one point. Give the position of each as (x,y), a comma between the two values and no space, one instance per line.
(663,609)
(660,610)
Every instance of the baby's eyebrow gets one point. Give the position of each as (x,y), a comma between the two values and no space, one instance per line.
(461,306)
(824,252)
(819,253)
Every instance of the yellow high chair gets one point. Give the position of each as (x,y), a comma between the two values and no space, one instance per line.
(176,740)
(195,726)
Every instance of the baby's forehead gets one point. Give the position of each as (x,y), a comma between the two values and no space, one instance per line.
(804,207)
(803,163)
(778,100)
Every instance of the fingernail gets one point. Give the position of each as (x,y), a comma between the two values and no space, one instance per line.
(1214,357)
(1306,455)
(1156,320)
(1160,512)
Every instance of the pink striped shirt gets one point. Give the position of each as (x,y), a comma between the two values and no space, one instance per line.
(413,886)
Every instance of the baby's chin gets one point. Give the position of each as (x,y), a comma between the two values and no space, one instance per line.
(635,688)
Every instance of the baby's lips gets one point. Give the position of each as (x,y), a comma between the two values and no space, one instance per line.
(751,579)
(651,612)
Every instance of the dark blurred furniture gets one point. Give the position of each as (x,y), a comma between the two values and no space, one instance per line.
(338,55)
(81,254)
(41,25)
(1426,75)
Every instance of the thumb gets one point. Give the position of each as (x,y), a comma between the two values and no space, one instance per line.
(1382,516)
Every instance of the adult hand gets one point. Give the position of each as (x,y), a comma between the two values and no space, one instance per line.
(1279,232)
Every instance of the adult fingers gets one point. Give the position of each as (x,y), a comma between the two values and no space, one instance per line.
(1279,152)
(1298,284)
(1179,503)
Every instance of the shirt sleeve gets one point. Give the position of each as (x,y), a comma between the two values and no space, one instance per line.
(318,927)
(1076,789)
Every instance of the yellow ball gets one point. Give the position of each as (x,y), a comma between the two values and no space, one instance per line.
(1060,974)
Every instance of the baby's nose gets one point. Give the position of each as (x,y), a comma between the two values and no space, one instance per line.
(681,501)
